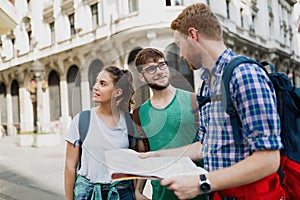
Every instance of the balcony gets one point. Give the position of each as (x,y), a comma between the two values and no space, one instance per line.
(8,16)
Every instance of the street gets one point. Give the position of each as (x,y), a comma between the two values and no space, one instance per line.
(28,173)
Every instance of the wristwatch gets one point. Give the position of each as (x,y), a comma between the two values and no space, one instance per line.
(204,184)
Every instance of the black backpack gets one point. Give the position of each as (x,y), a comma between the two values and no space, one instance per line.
(288,106)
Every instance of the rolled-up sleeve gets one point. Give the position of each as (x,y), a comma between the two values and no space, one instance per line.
(255,99)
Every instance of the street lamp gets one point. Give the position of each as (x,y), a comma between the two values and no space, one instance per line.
(37,69)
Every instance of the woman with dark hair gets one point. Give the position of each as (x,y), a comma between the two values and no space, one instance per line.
(112,92)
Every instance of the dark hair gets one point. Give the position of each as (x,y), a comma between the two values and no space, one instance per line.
(146,56)
(122,79)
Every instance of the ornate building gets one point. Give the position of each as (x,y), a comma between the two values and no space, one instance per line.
(49,61)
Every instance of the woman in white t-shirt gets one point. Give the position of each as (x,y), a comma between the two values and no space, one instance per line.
(113,92)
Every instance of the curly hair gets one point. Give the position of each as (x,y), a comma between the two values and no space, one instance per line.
(122,79)
(200,17)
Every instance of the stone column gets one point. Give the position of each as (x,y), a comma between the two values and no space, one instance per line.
(26,111)
(65,119)
(10,127)
(39,108)
(46,126)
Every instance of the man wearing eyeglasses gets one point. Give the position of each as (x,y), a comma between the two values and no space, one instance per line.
(166,119)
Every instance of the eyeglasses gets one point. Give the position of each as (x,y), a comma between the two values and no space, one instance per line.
(152,68)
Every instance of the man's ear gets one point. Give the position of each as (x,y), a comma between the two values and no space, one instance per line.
(193,33)
(141,77)
(118,92)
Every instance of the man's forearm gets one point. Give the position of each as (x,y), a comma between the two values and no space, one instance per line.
(253,168)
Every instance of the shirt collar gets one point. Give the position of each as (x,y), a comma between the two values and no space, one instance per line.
(222,61)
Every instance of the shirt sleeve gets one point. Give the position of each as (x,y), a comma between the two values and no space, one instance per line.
(73,133)
(254,97)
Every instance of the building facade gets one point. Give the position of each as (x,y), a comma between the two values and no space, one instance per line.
(50,60)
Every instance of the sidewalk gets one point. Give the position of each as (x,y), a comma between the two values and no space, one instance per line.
(28,173)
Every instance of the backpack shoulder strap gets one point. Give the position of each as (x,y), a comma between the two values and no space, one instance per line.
(83,125)
(195,109)
(128,120)
(230,109)
(139,129)
(130,130)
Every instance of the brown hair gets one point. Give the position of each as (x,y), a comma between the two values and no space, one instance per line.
(146,56)
(200,17)
(122,79)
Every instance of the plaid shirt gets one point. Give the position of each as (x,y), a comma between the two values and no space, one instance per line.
(255,101)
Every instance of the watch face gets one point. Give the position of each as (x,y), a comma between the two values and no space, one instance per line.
(205,187)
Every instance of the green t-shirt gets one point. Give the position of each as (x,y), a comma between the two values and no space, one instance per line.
(170,127)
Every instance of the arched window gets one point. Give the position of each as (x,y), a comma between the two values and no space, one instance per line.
(3,104)
(74,91)
(15,102)
(94,70)
(54,93)
(182,75)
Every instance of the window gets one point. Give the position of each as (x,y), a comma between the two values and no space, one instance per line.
(242,18)
(29,33)
(168,2)
(227,8)
(252,25)
(94,10)
(52,32)
(174,2)
(72,24)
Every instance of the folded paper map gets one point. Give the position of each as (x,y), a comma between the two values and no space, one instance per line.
(124,164)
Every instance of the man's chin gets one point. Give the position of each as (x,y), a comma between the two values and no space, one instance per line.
(192,67)
(158,87)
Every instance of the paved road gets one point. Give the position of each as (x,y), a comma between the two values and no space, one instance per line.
(29,173)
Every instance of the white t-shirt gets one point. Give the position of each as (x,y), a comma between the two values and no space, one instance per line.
(99,139)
